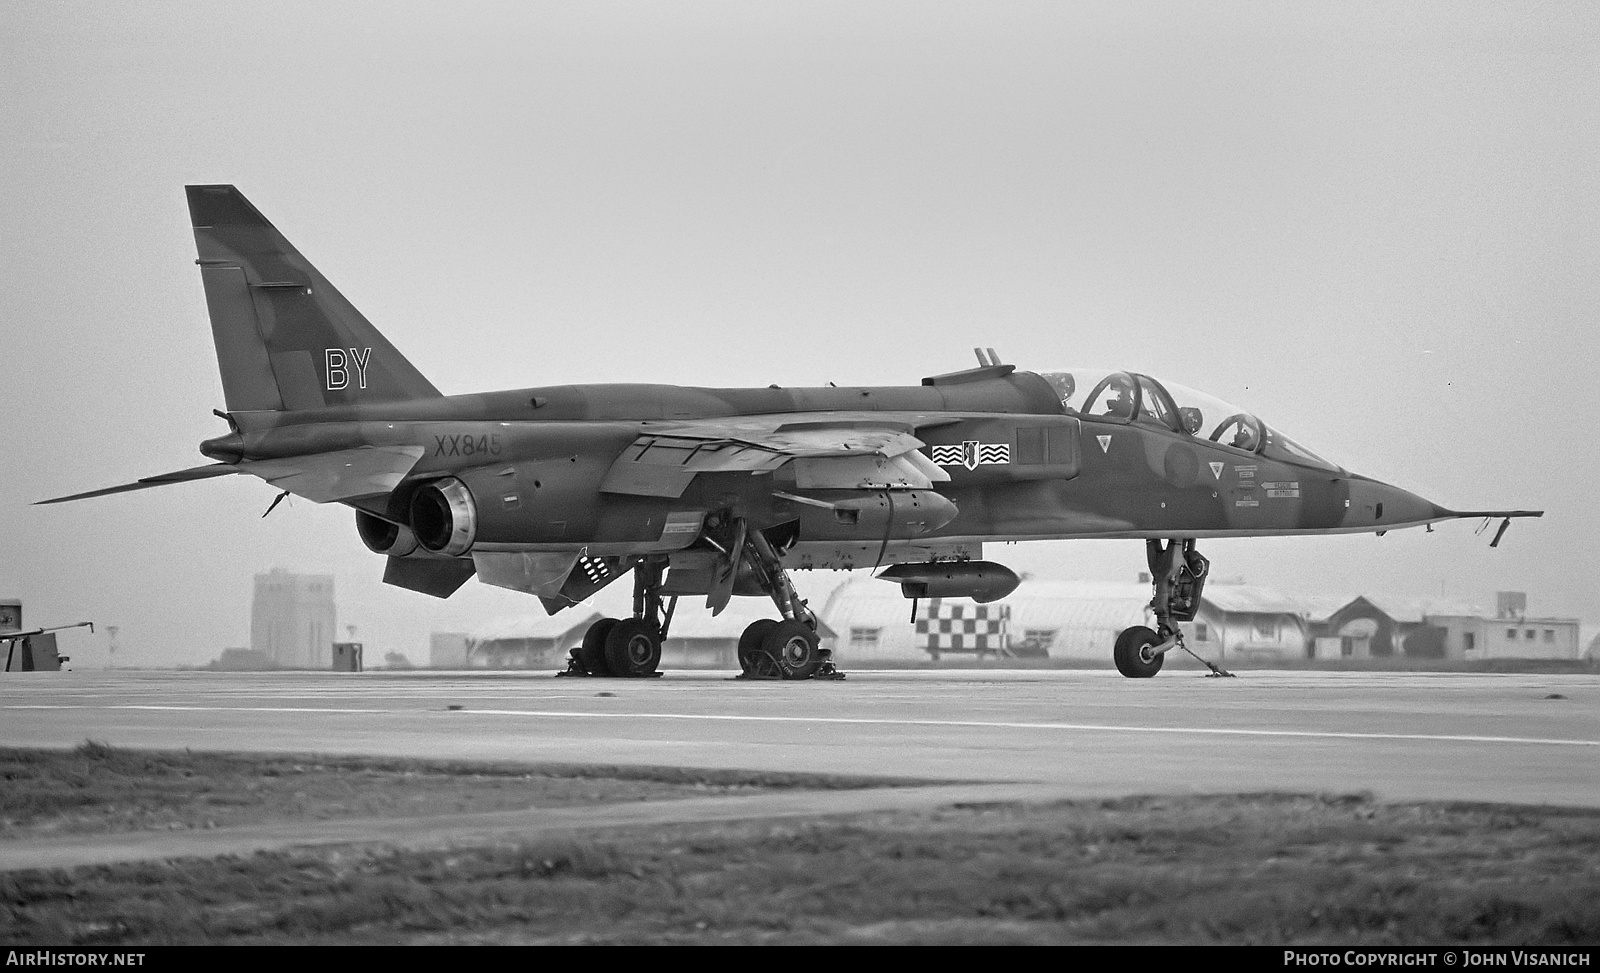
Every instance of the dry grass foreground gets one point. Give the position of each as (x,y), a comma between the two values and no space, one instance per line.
(1256,869)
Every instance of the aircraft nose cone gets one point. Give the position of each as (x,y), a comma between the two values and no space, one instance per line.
(1383,506)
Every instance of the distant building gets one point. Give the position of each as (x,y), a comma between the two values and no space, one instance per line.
(292,619)
(1245,622)
(1374,627)
(447,650)
(530,641)
(1512,633)
(1379,627)
(241,660)
(1081,620)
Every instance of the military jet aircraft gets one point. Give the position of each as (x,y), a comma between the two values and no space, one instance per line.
(559,491)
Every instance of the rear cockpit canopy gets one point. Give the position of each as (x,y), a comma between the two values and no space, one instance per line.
(1111,396)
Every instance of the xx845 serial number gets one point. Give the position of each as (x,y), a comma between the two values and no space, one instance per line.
(485,445)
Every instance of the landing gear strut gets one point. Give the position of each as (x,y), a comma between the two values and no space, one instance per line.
(786,648)
(629,647)
(1179,574)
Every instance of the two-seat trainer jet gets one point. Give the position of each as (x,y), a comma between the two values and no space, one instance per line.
(559,491)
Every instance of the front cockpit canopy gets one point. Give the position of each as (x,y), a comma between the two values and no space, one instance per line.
(1102,394)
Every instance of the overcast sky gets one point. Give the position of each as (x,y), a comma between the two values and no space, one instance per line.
(1375,225)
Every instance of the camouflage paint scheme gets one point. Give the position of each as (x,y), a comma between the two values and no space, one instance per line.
(558,490)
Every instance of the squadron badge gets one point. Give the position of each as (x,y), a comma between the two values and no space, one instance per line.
(972,454)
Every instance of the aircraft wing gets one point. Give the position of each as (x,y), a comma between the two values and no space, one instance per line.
(164,479)
(844,452)
(339,475)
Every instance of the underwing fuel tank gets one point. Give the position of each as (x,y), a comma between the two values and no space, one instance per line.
(982,581)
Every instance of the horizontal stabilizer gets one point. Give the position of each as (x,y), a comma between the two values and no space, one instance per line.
(341,475)
(164,479)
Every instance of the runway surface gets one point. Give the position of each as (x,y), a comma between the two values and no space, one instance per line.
(1083,733)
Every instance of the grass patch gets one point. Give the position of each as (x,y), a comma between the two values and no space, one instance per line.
(1342,871)
(98,789)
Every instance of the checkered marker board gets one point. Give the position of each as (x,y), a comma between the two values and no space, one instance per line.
(961,626)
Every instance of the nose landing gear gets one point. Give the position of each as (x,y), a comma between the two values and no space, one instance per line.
(1178,572)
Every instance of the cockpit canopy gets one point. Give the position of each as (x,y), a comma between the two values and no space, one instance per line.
(1101,394)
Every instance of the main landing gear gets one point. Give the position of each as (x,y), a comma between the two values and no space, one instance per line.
(629,647)
(1178,572)
(782,648)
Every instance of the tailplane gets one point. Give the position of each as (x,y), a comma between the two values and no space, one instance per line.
(286,338)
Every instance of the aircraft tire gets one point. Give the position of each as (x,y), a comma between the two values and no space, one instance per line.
(633,648)
(750,657)
(796,647)
(1129,653)
(592,653)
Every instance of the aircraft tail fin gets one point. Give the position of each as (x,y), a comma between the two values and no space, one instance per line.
(286,338)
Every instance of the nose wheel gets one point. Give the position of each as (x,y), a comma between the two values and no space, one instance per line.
(1133,656)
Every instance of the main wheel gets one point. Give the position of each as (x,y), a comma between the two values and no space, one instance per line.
(1132,653)
(796,647)
(592,653)
(752,661)
(633,648)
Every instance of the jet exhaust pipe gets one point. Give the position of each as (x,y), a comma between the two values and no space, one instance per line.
(382,537)
(444,518)
(982,581)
